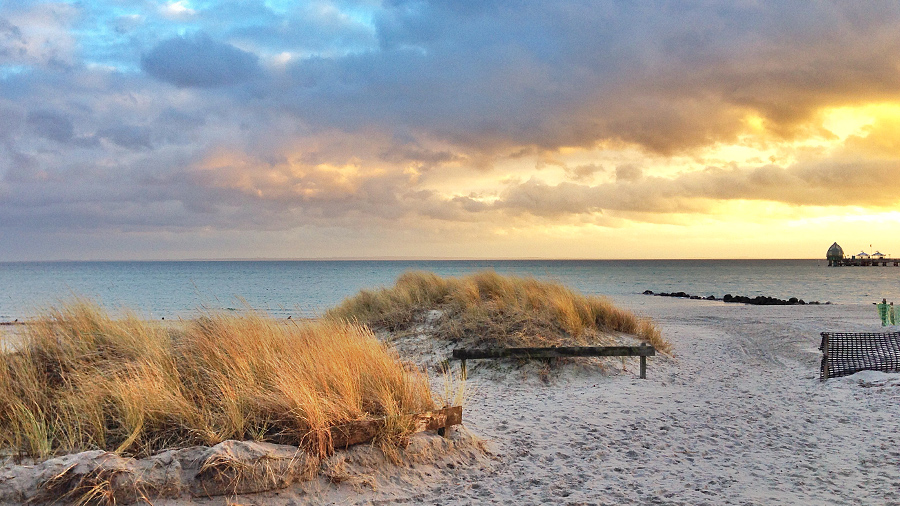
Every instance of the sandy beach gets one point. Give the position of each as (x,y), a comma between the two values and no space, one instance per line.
(737,416)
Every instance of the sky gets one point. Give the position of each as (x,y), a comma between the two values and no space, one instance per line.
(204,129)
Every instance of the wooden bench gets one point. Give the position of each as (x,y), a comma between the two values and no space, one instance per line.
(642,351)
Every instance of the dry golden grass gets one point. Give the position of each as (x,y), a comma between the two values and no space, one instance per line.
(487,308)
(84,380)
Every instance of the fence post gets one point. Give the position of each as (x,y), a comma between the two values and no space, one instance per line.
(824,356)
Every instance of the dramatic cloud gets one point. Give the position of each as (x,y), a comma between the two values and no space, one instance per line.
(668,76)
(439,120)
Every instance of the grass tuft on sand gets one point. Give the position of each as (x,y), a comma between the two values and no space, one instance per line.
(83,380)
(487,308)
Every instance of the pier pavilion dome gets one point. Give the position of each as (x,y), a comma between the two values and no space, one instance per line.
(835,252)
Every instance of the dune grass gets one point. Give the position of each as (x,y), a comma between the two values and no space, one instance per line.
(491,309)
(83,380)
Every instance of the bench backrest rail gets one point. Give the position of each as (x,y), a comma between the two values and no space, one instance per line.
(558,352)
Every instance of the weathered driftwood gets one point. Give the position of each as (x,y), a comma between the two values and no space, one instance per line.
(350,434)
(643,352)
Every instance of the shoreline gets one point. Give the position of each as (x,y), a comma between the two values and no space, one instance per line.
(626,300)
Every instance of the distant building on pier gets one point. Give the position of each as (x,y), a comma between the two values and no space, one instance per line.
(835,254)
(836,258)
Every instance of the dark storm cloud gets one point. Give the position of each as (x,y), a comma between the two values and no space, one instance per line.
(199,61)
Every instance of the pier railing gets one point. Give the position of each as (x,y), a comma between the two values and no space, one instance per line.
(864,262)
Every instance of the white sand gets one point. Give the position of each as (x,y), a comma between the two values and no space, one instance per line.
(738,417)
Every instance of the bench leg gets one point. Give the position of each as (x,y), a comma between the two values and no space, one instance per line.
(462,369)
(643,367)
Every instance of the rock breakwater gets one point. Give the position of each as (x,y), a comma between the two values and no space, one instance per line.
(759,300)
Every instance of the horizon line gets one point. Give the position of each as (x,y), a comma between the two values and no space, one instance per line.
(393,259)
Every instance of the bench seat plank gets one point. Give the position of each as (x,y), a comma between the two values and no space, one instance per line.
(643,352)
(556,352)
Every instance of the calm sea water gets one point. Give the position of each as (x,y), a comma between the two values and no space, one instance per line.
(305,288)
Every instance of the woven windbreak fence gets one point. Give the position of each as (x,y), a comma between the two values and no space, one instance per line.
(847,353)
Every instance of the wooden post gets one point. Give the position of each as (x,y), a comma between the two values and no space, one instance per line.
(462,369)
(824,356)
(643,367)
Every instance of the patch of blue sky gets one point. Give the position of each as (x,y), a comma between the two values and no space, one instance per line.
(7,71)
(308,29)
(282,7)
(114,34)
(362,11)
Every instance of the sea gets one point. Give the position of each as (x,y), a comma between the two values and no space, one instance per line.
(186,289)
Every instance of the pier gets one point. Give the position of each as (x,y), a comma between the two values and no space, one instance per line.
(864,262)
(836,258)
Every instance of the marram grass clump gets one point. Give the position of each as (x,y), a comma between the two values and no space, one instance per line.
(83,380)
(489,309)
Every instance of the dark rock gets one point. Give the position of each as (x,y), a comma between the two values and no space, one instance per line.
(759,300)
